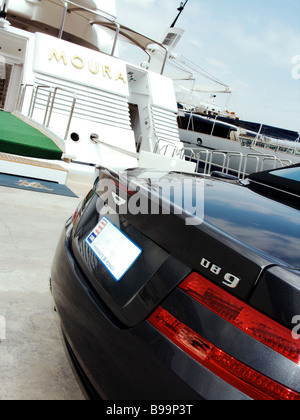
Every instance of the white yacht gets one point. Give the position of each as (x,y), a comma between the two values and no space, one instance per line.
(61,75)
(210,130)
(220,144)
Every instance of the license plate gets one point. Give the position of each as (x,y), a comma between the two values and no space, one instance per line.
(114,249)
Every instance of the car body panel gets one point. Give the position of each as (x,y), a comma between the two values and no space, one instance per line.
(246,244)
(124,363)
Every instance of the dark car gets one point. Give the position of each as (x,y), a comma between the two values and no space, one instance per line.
(183,287)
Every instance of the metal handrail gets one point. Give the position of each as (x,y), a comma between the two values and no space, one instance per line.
(21,96)
(49,106)
(206,157)
(238,155)
(119,149)
(61,30)
(95,12)
(52,106)
(34,98)
(111,21)
(220,153)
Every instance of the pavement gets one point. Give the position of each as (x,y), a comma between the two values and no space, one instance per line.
(34,364)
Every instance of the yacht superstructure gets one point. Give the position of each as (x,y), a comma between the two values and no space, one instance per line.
(63,76)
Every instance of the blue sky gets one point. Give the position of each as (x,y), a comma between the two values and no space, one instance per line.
(251,46)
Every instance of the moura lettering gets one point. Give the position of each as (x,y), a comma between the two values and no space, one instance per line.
(94,67)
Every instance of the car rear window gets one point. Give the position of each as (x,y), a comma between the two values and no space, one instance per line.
(287,180)
(293,174)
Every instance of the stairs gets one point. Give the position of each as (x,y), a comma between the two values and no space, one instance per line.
(32,168)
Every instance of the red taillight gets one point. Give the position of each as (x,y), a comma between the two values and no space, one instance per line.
(242,377)
(242,316)
(75,216)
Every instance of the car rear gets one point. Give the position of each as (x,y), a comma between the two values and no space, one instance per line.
(202,309)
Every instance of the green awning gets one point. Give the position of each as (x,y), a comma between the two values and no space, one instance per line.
(19,138)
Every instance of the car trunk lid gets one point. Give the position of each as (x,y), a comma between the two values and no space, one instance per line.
(171,247)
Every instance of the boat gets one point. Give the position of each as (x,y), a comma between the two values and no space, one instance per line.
(213,134)
(63,83)
(243,147)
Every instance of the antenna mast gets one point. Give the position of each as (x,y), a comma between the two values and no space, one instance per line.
(3,8)
(180,9)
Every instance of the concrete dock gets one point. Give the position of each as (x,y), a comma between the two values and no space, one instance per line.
(33,361)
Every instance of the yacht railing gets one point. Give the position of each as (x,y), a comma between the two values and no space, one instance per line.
(49,105)
(108,21)
(98,12)
(232,162)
